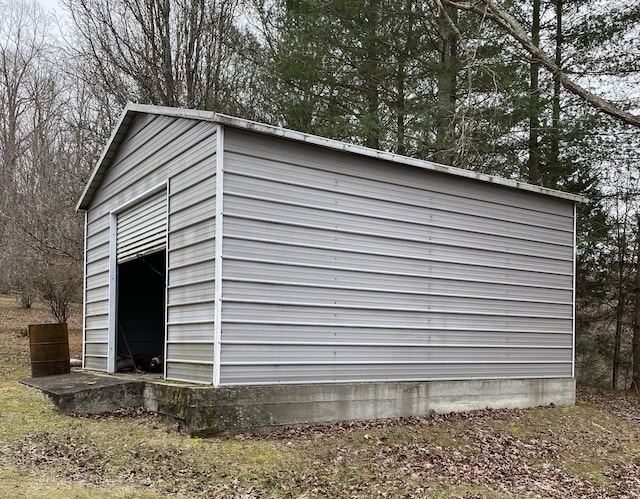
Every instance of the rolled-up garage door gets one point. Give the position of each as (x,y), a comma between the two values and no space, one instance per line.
(142,229)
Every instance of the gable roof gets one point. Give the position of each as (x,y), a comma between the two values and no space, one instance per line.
(132,110)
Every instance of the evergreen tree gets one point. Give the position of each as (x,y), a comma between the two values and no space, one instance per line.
(410,77)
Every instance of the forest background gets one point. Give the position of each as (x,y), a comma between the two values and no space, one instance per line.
(547,92)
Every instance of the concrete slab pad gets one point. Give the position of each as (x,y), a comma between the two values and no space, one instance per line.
(82,391)
(61,384)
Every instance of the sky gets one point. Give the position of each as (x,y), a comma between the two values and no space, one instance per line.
(56,9)
(52,5)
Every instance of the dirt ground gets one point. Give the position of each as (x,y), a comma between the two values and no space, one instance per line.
(590,450)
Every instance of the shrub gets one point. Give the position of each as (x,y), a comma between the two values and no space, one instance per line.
(59,286)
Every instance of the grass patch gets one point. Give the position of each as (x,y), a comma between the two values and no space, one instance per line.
(17,484)
(587,472)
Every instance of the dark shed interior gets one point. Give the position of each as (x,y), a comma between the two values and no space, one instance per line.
(141,312)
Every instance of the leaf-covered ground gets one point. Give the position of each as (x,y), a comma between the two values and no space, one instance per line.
(590,450)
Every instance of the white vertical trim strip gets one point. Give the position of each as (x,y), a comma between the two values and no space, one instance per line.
(84,290)
(113,294)
(217,326)
(573,358)
(166,278)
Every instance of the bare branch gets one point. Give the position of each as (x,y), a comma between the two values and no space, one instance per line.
(510,25)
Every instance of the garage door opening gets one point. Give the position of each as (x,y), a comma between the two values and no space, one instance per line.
(141,313)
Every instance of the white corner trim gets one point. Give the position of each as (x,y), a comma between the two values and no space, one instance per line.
(219,217)
(575,256)
(113,294)
(84,291)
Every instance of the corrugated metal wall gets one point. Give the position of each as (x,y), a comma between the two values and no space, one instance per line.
(343,268)
(155,149)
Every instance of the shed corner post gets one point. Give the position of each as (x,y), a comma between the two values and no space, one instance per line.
(84,289)
(219,217)
(573,311)
(113,293)
(166,279)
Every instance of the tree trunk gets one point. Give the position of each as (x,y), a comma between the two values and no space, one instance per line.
(619,314)
(554,146)
(533,162)
(371,74)
(447,84)
(635,377)
(401,107)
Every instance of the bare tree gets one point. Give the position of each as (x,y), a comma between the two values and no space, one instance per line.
(22,45)
(166,52)
(23,30)
(43,162)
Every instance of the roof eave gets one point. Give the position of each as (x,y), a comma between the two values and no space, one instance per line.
(391,157)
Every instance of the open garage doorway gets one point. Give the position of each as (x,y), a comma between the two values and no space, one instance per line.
(141,313)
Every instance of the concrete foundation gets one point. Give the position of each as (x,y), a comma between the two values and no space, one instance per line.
(208,411)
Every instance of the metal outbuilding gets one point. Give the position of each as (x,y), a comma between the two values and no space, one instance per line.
(247,254)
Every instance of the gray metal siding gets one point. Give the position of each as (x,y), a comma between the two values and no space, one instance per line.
(343,268)
(190,298)
(157,149)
